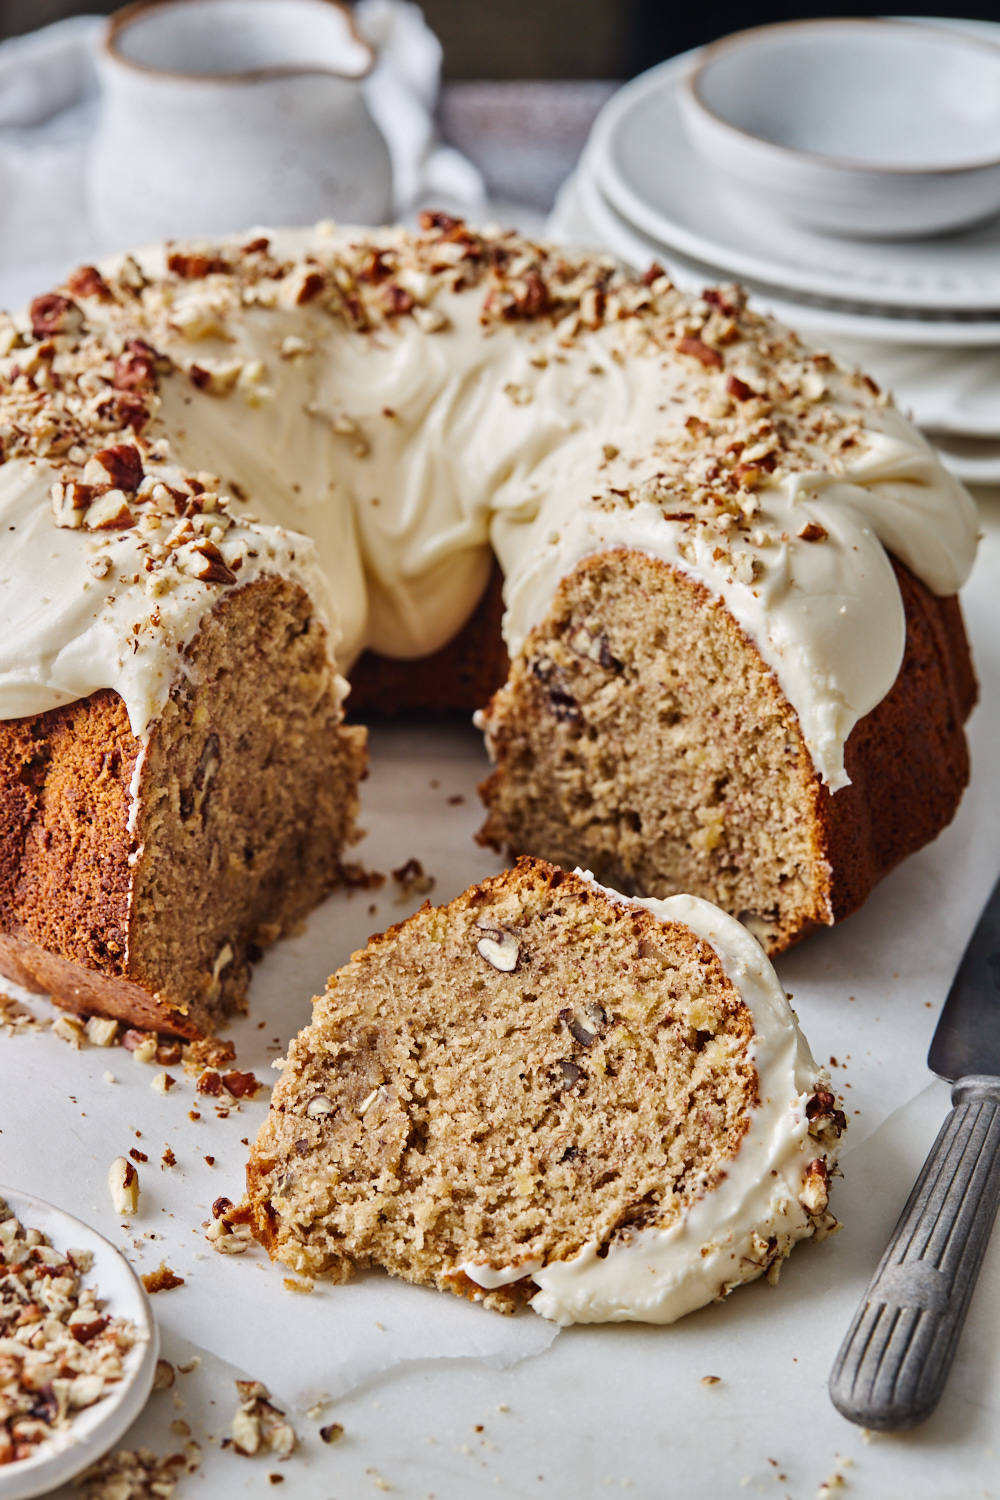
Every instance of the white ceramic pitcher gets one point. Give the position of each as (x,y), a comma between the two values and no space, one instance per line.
(220,114)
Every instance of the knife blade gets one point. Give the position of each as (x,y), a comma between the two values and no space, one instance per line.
(894,1362)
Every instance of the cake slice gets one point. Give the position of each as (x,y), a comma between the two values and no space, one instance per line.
(641,734)
(547,1091)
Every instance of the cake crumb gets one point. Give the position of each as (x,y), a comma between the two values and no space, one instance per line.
(332,1433)
(412,880)
(207,1052)
(161,1280)
(711,1379)
(377,1480)
(835,1481)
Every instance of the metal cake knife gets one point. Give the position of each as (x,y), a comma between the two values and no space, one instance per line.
(894,1362)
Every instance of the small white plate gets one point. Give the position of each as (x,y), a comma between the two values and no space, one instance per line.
(649,171)
(97,1428)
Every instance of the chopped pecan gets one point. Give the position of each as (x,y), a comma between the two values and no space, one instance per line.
(241,1085)
(702,352)
(110,512)
(124,409)
(123,1184)
(374,268)
(191,267)
(716,298)
(312,284)
(499,948)
(815,1193)
(209,565)
(135,367)
(412,879)
(822,1107)
(52,313)
(69,502)
(397,299)
(118,467)
(87,281)
(739,388)
(437,219)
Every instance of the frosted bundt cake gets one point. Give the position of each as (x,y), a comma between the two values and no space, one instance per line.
(547,1090)
(232,473)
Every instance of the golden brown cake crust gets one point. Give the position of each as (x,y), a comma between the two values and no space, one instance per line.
(64,797)
(247,799)
(908,759)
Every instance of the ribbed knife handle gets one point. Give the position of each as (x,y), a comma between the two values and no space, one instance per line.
(894,1362)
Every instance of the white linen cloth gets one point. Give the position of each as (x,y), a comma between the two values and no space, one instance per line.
(49,100)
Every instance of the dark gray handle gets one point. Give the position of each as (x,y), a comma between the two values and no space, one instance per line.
(894,1362)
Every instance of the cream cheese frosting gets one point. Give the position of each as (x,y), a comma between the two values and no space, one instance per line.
(407,402)
(772,1194)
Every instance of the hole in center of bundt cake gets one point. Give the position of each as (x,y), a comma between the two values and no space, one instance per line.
(533,1068)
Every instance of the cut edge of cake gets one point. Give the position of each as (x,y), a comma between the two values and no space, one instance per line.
(546,1091)
(142,878)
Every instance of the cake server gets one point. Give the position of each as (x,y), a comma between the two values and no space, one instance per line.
(894,1362)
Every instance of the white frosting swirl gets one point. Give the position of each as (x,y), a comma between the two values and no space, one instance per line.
(405,453)
(658,1275)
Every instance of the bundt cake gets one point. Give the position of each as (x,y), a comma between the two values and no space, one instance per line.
(548,1090)
(231,473)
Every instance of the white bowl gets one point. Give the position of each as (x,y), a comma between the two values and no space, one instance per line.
(881,129)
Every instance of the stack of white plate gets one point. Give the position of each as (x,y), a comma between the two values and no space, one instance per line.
(922,316)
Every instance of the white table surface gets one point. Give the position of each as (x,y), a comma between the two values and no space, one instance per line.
(442,1398)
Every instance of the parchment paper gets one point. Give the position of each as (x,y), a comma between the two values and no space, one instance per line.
(438,1397)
